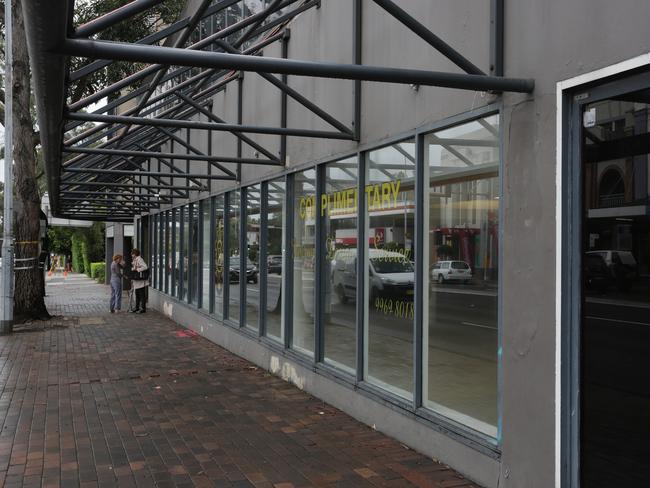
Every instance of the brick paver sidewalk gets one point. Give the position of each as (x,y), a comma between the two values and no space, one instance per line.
(135,400)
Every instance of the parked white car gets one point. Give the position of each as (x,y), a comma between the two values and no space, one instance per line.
(390,274)
(444,271)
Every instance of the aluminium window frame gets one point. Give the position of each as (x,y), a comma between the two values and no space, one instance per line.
(422,182)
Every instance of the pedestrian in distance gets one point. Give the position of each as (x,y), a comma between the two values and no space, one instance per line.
(139,281)
(117,267)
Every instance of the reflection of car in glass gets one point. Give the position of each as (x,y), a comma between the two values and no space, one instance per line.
(621,264)
(390,274)
(274,263)
(235,267)
(596,274)
(444,271)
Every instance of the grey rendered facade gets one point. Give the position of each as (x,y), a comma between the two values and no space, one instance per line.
(549,43)
(522,433)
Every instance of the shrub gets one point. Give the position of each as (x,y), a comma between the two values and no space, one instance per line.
(85,256)
(77,260)
(100,274)
(96,268)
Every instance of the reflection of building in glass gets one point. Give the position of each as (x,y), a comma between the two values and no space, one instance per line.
(617,190)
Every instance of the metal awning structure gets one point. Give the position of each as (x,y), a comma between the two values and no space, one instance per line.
(103,173)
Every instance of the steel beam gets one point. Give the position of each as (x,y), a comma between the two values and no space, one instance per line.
(112,194)
(290,91)
(199,45)
(284,107)
(201,59)
(145,173)
(127,184)
(441,46)
(154,154)
(197,125)
(111,18)
(357,47)
(117,202)
(190,147)
(239,136)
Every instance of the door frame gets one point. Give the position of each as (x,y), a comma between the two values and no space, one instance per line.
(572,94)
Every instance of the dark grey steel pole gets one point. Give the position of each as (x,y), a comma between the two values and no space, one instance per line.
(441,46)
(144,173)
(203,59)
(155,154)
(7,269)
(195,124)
(112,18)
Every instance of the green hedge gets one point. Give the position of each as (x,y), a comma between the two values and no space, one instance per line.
(98,271)
(77,259)
(85,257)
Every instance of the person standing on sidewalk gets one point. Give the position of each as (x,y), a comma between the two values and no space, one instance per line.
(139,285)
(116,283)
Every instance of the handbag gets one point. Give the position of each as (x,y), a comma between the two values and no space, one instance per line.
(139,275)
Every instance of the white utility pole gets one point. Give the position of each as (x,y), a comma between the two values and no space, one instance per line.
(7,272)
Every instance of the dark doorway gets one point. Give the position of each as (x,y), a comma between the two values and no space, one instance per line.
(128,246)
(615,318)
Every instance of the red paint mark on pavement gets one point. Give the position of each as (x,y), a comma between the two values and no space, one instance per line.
(186,333)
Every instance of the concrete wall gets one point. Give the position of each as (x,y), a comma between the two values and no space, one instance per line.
(547,40)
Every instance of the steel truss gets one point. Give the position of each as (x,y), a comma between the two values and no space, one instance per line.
(105,172)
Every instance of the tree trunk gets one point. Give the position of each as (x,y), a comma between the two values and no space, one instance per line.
(29,290)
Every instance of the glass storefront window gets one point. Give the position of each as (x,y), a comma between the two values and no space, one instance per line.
(234,217)
(206,249)
(250,271)
(185,252)
(194,253)
(389,267)
(276,223)
(304,240)
(154,249)
(219,255)
(161,252)
(178,231)
(338,214)
(169,258)
(461,247)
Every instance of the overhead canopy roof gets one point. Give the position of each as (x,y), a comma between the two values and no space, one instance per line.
(102,172)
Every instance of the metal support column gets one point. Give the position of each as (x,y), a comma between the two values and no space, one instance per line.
(496,37)
(263,252)
(243,257)
(240,118)
(288,270)
(319,268)
(420,291)
(7,268)
(284,98)
(361,301)
(357,40)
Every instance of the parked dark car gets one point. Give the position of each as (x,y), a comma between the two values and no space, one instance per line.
(274,264)
(622,266)
(597,275)
(251,271)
